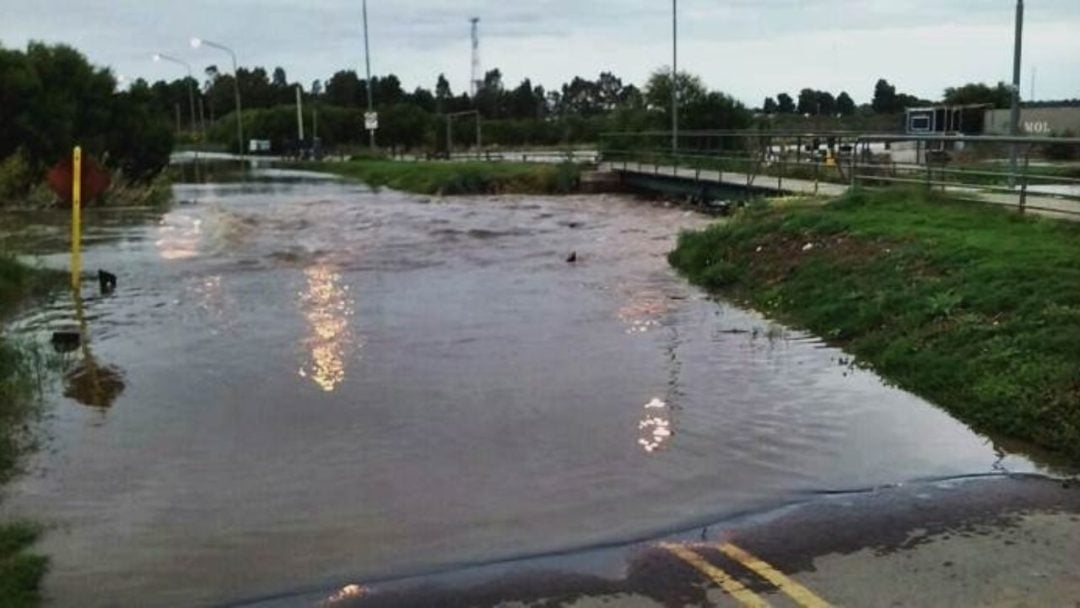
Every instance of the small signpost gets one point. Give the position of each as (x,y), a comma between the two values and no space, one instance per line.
(371,121)
(76,181)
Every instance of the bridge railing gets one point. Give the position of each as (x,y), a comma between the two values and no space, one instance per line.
(525,156)
(1046,177)
(756,158)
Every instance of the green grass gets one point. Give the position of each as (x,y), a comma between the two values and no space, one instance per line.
(973,307)
(21,367)
(452,178)
(20,572)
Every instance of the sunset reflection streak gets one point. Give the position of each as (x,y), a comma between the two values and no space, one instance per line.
(328,307)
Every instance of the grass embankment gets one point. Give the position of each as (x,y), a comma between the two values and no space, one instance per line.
(20,369)
(973,307)
(451,178)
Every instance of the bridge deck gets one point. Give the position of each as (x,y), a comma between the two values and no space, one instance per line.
(1041,203)
(730,178)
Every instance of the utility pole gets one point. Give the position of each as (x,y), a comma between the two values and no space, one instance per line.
(367,61)
(475,82)
(674,76)
(1014,116)
(299,115)
(198,42)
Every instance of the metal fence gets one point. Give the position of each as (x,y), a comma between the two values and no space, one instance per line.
(1046,179)
(524,156)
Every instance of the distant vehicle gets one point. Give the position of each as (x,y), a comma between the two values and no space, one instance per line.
(259,146)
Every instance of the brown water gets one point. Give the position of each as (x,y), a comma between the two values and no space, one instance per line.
(321,384)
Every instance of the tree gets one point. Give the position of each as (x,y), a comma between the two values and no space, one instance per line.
(715,110)
(489,96)
(405,125)
(522,102)
(658,90)
(343,89)
(582,97)
(808,102)
(979,93)
(769,106)
(442,93)
(423,99)
(610,92)
(386,90)
(845,105)
(826,103)
(279,79)
(785,104)
(885,100)
(53,99)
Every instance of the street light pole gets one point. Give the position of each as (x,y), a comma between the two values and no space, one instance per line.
(1014,115)
(367,61)
(191,85)
(196,43)
(674,76)
(299,115)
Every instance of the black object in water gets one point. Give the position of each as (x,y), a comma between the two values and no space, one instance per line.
(107,281)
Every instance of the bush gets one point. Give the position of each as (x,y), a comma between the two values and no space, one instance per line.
(16,177)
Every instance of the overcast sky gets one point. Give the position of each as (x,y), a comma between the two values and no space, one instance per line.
(749,48)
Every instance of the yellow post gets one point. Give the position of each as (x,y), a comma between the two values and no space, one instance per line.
(76,217)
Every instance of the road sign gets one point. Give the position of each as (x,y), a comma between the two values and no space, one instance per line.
(371,121)
(94,180)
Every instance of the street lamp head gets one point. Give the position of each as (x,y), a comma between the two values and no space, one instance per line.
(196,43)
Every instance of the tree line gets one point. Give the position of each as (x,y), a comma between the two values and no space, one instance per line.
(525,114)
(886,100)
(52,98)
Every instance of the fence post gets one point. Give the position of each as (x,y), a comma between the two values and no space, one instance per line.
(929,170)
(854,162)
(817,172)
(1024,180)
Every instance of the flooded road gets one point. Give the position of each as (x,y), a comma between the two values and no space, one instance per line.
(322,384)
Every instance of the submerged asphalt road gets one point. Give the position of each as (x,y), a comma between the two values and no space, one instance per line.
(1010,540)
(314,386)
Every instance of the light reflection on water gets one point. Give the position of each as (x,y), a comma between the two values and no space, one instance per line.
(641,313)
(327,306)
(178,236)
(655,426)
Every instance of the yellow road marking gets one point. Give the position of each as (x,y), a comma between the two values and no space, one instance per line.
(731,586)
(802,596)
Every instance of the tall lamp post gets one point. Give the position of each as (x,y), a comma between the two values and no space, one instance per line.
(367,62)
(198,42)
(191,83)
(674,76)
(1014,114)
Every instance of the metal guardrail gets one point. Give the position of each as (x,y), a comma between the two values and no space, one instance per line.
(974,167)
(966,167)
(525,156)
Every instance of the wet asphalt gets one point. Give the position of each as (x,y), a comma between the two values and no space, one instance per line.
(999,540)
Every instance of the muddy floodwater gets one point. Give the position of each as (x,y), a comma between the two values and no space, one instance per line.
(310,384)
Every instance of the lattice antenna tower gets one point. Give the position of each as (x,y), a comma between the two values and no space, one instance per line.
(475,81)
